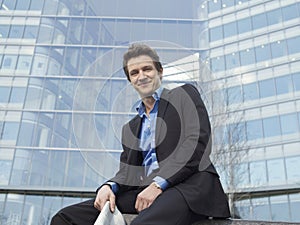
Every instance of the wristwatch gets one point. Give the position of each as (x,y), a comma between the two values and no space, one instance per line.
(157,185)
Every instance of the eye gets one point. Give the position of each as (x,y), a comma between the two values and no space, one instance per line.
(133,73)
(148,68)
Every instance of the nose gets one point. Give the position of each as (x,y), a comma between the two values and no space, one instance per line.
(142,75)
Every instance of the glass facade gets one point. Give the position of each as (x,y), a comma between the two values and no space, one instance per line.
(62,96)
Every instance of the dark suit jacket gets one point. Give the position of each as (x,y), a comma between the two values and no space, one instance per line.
(182,147)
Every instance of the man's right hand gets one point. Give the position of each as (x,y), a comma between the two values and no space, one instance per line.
(105,194)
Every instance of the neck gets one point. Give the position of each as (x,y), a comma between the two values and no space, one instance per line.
(149,103)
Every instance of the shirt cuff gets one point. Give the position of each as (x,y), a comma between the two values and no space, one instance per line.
(164,184)
(113,185)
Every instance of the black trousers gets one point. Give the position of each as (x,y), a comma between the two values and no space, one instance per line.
(170,208)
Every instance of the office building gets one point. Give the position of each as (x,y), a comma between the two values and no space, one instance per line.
(62,96)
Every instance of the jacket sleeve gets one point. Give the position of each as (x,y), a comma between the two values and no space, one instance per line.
(191,152)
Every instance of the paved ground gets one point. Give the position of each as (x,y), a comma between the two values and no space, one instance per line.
(129,218)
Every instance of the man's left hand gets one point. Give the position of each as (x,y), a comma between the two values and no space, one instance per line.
(147,197)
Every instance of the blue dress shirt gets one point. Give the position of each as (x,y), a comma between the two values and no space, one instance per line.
(147,141)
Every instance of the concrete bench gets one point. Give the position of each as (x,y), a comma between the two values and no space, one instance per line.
(129,218)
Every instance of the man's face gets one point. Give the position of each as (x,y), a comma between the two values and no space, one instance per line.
(143,75)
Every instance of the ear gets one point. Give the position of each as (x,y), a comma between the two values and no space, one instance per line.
(160,73)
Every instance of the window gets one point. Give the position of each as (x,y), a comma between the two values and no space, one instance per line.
(250,91)
(293,45)
(244,25)
(217,64)
(17,95)
(296,81)
(234,95)
(232,61)
(254,129)
(24,63)
(214,5)
(230,29)
(289,123)
(292,168)
(10,131)
(30,32)
(16,31)
(4,31)
(261,209)
(279,208)
(274,17)
(258,175)
(290,12)
(295,206)
(247,57)
(271,126)
(276,172)
(263,53)
(284,84)
(4,94)
(259,21)
(36,5)
(22,5)
(9,4)
(278,49)
(266,88)
(216,33)
(9,62)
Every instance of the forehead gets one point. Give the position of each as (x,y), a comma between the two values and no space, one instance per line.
(139,61)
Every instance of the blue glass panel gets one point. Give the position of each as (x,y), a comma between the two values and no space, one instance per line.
(234,95)
(267,88)
(254,129)
(293,45)
(261,209)
(36,5)
(21,167)
(279,208)
(22,5)
(10,131)
(16,31)
(290,12)
(17,95)
(296,81)
(32,209)
(258,174)
(244,25)
(216,33)
(227,3)
(250,91)
(295,206)
(57,164)
(38,167)
(230,29)
(4,94)
(289,123)
(274,16)
(232,61)
(6,159)
(271,126)
(13,209)
(263,53)
(214,5)
(217,64)
(9,62)
(247,57)
(279,49)
(30,32)
(4,29)
(276,172)
(9,4)
(26,134)
(292,168)
(75,172)
(259,21)
(284,84)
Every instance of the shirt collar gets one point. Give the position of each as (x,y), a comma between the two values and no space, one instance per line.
(141,107)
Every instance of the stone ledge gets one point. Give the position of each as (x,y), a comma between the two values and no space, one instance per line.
(130,217)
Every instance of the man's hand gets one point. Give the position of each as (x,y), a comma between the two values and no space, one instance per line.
(105,194)
(147,197)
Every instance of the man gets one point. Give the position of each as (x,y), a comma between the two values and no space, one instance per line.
(165,174)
